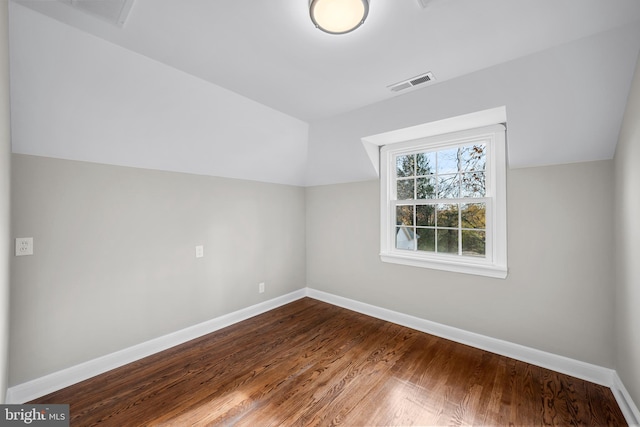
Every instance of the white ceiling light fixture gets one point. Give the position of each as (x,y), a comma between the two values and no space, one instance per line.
(338,16)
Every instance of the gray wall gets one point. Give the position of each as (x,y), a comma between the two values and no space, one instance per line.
(114,261)
(558,296)
(114,257)
(5,163)
(627,250)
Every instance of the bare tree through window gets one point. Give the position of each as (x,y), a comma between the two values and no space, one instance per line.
(435,214)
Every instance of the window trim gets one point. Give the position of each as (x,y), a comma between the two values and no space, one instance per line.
(495,264)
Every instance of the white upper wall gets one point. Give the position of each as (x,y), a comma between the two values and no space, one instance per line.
(563,105)
(78,97)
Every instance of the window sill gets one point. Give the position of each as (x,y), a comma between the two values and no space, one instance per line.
(488,270)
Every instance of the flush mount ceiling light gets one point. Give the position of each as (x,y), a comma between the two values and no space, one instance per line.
(338,16)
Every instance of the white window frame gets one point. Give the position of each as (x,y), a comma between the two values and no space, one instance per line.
(494,264)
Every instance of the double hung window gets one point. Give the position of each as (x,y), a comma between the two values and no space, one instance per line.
(443,202)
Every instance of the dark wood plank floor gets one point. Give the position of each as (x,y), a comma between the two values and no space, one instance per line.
(311,363)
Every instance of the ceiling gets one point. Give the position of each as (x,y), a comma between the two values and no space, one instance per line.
(252,90)
(270,52)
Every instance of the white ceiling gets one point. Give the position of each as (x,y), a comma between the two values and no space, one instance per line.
(252,90)
(268,50)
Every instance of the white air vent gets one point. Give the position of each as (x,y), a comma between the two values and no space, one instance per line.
(412,82)
(113,11)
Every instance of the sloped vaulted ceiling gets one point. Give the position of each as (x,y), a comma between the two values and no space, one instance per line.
(251,90)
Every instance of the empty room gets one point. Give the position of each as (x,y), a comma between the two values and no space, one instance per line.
(320,212)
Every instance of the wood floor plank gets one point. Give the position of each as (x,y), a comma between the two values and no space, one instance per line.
(309,363)
(363,377)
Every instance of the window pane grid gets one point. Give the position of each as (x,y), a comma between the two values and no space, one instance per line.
(440,200)
(451,173)
(444,236)
(453,189)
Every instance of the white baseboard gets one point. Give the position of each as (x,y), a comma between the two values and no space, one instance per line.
(604,376)
(628,408)
(41,386)
(565,365)
(586,371)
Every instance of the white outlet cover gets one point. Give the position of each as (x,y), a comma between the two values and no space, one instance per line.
(199,251)
(24,246)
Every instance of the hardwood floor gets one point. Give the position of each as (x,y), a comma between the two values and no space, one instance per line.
(311,363)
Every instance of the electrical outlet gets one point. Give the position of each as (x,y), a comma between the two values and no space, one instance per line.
(261,287)
(199,251)
(24,246)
